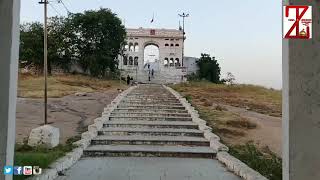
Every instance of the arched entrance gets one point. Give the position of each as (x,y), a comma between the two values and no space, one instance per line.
(151,59)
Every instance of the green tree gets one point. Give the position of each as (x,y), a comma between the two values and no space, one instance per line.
(209,68)
(97,39)
(60,49)
(31,44)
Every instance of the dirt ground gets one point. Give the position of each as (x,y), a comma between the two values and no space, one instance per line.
(71,114)
(267,133)
(240,113)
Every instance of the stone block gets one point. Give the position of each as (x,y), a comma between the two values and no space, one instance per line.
(211,136)
(239,167)
(44,135)
(217,145)
(204,127)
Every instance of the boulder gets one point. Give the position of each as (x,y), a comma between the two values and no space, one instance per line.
(46,135)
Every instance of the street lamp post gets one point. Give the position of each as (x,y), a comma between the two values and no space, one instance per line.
(183,15)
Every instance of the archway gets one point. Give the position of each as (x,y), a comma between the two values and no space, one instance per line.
(151,57)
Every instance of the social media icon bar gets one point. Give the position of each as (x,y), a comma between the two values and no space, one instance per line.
(27,170)
(8,170)
(37,170)
(17,170)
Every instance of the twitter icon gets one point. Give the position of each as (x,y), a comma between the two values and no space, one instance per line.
(8,170)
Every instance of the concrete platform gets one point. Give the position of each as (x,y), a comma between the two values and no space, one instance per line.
(150,140)
(129,110)
(152,124)
(151,106)
(149,118)
(121,114)
(151,132)
(131,168)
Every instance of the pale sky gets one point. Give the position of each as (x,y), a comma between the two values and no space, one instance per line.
(245,36)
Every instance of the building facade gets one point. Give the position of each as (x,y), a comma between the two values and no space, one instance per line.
(162,65)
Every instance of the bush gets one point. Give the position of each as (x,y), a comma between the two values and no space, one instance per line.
(268,164)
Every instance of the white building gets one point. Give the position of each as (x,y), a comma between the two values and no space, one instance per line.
(157,50)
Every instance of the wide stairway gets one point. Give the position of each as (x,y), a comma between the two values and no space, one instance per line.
(150,122)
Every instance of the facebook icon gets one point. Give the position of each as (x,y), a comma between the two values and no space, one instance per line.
(17,170)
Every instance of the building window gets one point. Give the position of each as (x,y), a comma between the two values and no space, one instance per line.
(125,60)
(177,45)
(136,61)
(171,39)
(130,60)
(171,44)
(166,45)
(177,62)
(131,47)
(166,62)
(126,47)
(136,47)
(171,62)
(167,39)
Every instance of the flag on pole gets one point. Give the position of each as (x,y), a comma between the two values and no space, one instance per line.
(152,18)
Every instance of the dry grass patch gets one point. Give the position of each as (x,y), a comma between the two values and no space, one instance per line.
(61,85)
(256,98)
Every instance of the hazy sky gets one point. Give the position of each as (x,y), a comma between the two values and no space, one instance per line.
(245,36)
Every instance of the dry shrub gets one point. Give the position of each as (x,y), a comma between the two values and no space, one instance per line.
(242,123)
(220,108)
(203,100)
(207,103)
(229,132)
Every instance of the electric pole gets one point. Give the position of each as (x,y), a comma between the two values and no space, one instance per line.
(183,15)
(45,53)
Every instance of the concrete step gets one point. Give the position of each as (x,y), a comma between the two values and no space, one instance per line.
(149,118)
(151,106)
(153,98)
(152,124)
(151,132)
(150,96)
(150,101)
(134,110)
(150,140)
(163,114)
(149,151)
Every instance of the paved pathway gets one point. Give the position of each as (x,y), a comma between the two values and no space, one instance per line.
(142,168)
(149,126)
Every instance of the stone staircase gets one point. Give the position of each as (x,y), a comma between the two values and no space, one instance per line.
(150,121)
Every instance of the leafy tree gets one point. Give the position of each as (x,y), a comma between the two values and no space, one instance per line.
(93,39)
(31,44)
(97,39)
(60,51)
(230,79)
(209,68)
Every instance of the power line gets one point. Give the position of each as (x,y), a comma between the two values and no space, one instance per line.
(60,1)
(55,9)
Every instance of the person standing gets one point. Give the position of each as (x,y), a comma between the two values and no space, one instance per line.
(128,80)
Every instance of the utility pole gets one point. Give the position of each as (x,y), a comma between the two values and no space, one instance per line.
(45,53)
(183,15)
